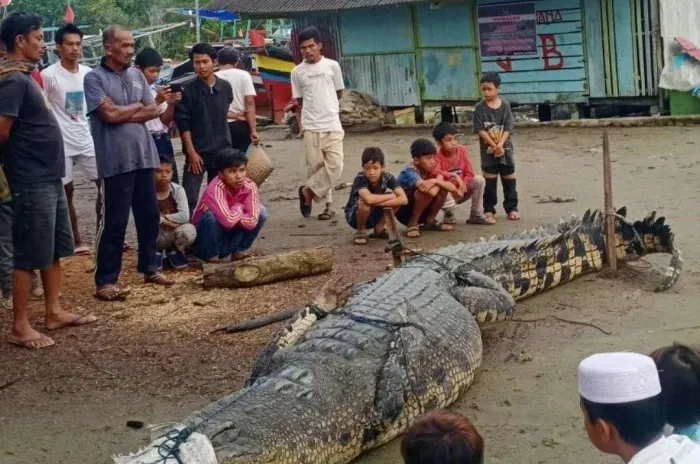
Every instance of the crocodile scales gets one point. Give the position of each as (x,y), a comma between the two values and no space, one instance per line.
(337,383)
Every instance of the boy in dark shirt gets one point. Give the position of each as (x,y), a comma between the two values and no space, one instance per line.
(369,197)
(493,121)
(426,188)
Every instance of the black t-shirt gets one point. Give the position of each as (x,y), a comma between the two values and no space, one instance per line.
(34,150)
(386,182)
(495,122)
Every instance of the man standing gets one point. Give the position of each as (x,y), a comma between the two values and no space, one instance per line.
(32,148)
(201,120)
(119,103)
(241,114)
(63,85)
(317,85)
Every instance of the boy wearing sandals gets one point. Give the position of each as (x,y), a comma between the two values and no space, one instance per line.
(427,189)
(369,197)
(493,121)
(454,157)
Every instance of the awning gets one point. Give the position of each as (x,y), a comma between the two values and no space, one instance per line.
(221,15)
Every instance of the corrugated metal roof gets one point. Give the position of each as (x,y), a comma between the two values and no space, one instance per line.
(259,7)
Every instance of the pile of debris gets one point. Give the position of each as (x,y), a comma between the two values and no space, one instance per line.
(360,111)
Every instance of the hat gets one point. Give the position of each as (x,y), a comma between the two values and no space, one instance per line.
(614,378)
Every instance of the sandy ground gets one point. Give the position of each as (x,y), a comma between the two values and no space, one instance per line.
(151,359)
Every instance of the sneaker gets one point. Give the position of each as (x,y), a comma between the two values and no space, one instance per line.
(159,261)
(177,260)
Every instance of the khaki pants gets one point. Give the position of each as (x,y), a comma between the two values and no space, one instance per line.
(324,160)
(179,238)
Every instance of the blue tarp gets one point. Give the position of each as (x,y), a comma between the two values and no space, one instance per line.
(221,15)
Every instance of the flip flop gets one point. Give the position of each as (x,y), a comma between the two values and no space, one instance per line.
(303,207)
(413,232)
(326,215)
(31,344)
(112,293)
(82,251)
(514,216)
(383,235)
(438,226)
(360,239)
(77,322)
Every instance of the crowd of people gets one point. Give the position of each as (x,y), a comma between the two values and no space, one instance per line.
(642,409)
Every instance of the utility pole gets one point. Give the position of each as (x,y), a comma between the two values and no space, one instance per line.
(197,20)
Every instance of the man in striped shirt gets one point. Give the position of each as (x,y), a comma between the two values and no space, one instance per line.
(229,217)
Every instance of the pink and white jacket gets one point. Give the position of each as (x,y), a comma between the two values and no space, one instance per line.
(231,208)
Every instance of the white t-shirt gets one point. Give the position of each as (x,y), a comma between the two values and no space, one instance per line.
(674,449)
(242,85)
(66,96)
(155,125)
(317,84)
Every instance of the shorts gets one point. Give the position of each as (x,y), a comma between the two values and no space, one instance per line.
(375,215)
(86,164)
(403,214)
(41,230)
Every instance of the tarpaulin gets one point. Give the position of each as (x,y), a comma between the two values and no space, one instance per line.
(680,19)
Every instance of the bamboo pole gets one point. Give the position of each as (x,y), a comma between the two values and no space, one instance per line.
(609,209)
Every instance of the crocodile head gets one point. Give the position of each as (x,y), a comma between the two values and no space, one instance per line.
(650,235)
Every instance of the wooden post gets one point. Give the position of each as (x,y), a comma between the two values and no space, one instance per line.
(394,246)
(609,209)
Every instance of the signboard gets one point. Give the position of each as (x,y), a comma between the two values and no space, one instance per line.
(508,29)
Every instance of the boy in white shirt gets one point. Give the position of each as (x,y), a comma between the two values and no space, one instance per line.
(242,121)
(624,411)
(317,85)
(63,85)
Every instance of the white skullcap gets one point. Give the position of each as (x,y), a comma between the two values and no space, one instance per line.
(614,378)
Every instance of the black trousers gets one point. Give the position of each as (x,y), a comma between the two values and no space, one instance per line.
(510,193)
(166,150)
(135,191)
(192,183)
(240,135)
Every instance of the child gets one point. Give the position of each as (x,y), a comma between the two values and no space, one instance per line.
(679,371)
(149,62)
(369,197)
(453,157)
(624,411)
(493,121)
(442,437)
(229,217)
(176,233)
(426,189)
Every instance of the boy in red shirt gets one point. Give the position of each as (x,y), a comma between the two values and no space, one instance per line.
(453,157)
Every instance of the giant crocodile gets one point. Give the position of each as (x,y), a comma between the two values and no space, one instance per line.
(337,383)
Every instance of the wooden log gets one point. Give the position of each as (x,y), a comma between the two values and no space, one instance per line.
(267,269)
(258,322)
(609,209)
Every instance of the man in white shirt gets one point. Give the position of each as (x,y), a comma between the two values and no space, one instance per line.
(624,411)
(63,85)
(317,85)
(241,114)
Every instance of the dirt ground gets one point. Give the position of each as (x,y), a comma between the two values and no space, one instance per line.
(152,359)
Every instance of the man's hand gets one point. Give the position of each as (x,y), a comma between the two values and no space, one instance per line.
(195,162)
(255,138)
(163,94)
(174,98)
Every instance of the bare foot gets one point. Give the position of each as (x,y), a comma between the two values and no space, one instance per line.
(239,255)
(31,339)
(61,319)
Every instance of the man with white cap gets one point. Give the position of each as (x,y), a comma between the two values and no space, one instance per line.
(624,413)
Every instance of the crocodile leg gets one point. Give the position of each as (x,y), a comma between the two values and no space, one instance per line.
(483,297)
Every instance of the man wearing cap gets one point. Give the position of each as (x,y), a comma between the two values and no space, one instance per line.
(624,412)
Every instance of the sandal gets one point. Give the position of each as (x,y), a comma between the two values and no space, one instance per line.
(413,232)
(82,251)
(383,235)
(326,215)
(112,293)
(481,220)
(360,239)
(449,217)
(303,206)
(514,216)
(76,322)
(35,344)
(438,226)
(158,279)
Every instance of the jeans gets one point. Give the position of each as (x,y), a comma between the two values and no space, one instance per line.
(192,183)
(240,135)
(134,190)
(6,249)
(213,240)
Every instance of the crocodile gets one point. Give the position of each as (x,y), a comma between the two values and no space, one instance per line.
(336,383)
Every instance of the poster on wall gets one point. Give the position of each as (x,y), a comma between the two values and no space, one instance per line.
(508,29)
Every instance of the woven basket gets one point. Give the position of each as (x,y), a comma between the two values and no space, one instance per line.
(259,165)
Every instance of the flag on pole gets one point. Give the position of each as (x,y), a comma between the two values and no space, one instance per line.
(70,15)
